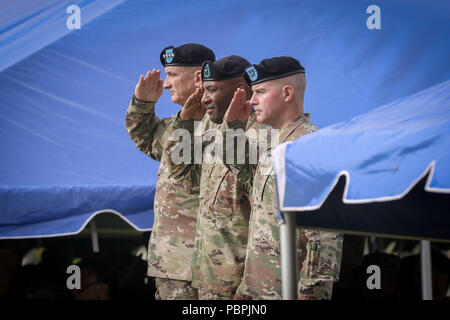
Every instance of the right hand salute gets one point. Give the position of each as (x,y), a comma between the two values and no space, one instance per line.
(240,108)
(193,108)
(150,87)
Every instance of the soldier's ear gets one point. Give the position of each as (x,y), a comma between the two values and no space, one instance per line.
(198,78)
(288,93)
(240,85)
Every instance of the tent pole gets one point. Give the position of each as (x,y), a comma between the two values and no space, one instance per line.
(94,236)
(425,255)
(288,246)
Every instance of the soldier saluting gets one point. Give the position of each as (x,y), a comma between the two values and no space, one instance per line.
(278,86)
(224,211)
(176,201)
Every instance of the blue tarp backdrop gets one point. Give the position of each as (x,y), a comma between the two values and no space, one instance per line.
(63,93)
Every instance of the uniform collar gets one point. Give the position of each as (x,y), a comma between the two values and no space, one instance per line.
(287,131)
(251,120)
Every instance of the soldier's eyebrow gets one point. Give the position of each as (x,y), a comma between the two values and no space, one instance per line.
(210,86)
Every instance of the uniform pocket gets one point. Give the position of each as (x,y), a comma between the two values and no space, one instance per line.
(310,274)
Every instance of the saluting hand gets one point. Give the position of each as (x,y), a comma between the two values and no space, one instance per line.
(193,108)
(150,87)
(240,108)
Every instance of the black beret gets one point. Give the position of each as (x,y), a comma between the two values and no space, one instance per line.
(271,69)
(189,54)
(225,68)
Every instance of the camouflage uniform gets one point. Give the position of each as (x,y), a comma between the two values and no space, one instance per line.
(319,252)
(171,289)
(222,224)
(176,200)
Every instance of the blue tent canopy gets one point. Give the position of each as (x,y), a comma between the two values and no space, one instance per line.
(385,172)
(383,155)
(63,93)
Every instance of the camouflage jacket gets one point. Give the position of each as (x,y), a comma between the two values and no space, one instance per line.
(223,218)
(319,253)
(176,200)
